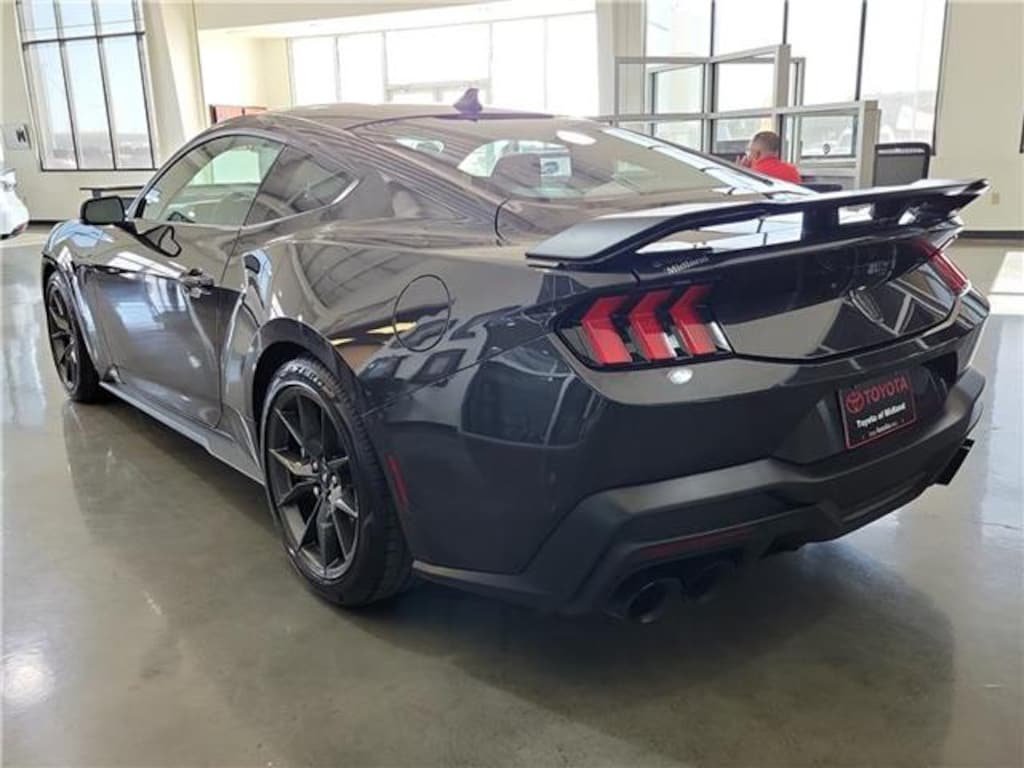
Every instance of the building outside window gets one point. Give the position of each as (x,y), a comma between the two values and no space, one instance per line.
(85,63)
(852,49)
(827,37)
(518,53)
(744,24)
(678,27)
(902,51)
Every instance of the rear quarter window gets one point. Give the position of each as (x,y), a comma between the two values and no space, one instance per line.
(297,183)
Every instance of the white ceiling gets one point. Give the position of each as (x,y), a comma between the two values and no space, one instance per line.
(277,20)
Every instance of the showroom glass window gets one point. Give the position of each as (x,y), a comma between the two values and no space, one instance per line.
(886,50)
(522,54)
(678,27)
(827,37)
(902,49)
(84,60)
(744,24)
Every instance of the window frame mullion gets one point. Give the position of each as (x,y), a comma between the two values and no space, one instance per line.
(104,36)
(861,35)
(58,20)
(104,84)
(143,56)
(336,50)
(70,99)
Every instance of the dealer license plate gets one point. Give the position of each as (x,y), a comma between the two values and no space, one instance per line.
(875,408)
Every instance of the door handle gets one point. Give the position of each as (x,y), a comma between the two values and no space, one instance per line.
(196,279)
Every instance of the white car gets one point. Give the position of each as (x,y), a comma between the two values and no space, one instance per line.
(13,213)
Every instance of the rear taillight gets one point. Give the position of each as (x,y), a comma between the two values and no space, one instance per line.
(659,326)
(598,326)
(688,321)
(950,273)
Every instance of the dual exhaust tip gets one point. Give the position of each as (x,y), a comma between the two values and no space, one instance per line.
(644,600)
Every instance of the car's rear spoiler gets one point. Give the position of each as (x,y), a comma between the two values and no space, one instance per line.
(892,211)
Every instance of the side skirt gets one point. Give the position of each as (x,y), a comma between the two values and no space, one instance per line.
(217,443)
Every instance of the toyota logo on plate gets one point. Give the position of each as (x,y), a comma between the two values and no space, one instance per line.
(855,401)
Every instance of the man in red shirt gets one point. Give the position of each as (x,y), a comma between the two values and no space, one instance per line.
(763,156)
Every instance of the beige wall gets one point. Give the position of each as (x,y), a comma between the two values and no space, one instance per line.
(981,106)
(174,69)
(177,108)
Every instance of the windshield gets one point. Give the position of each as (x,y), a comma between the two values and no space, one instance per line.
(560,159)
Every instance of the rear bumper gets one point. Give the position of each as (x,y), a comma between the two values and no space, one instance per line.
(747,509)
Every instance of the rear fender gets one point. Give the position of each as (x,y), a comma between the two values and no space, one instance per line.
(285,330)
(248,352)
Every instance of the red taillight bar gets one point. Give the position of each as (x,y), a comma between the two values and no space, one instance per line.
(656,326)
(647,329)
(688,322)
(605,343)
(950,273)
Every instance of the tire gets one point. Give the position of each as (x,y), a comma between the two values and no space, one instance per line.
(328,494)
(71,358)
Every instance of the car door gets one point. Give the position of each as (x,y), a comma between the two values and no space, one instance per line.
(158,288)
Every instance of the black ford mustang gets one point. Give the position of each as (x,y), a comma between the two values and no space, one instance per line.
(534,357)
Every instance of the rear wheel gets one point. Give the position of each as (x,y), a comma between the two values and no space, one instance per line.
(327,491)
(74,366)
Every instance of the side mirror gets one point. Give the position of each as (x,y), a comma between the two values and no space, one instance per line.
(103,210)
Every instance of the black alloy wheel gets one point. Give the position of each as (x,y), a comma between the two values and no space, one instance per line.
(310,480)
(70,356)
(327,491)
(63,339)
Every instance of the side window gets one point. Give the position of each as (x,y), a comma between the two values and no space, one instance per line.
(214,184)
(297,184)
(378,196)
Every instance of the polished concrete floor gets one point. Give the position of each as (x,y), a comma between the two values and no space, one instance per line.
(149,617)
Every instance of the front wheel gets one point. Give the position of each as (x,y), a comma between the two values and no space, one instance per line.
(326,490)
(74,365)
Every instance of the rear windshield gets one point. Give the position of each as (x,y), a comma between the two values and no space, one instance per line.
(559,159)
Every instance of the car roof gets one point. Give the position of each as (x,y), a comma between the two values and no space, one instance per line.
(350,115)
